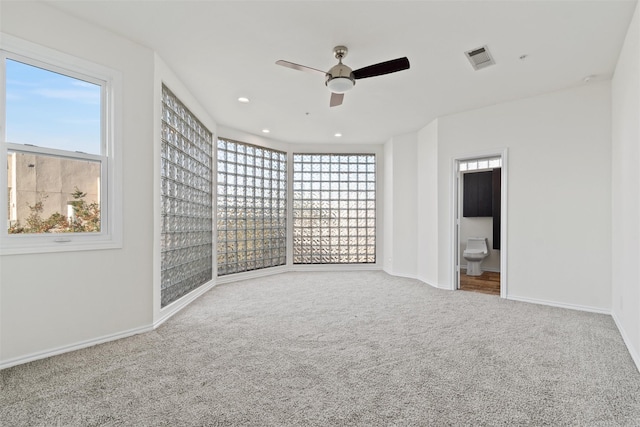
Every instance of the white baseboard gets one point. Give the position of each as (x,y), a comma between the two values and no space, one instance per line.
(335,267)
(254,274)
(431,284)
(72,347)
(404,276)
(560,304)
(491,269)
(167,312)
(632,351)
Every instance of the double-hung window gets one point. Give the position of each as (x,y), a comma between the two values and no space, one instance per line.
(58,137)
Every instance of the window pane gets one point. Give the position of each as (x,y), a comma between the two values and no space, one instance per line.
(52,194)
(48,109)
(334,227)
(254,207)
(495,163)
(186,197)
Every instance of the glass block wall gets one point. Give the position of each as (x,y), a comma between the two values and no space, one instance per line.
(251,207)
(334,208)
(186,198)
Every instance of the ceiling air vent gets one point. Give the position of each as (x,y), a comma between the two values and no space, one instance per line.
(480,58)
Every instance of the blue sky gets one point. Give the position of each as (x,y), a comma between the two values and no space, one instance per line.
(51,110)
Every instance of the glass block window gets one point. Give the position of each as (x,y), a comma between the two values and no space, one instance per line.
(252,207)
(334,208)
(186,197)
(480,164)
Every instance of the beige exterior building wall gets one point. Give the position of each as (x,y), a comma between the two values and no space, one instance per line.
(50,179)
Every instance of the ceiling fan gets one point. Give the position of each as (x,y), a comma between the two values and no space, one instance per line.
(340,78)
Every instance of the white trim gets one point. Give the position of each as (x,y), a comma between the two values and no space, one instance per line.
(169,311)
(253,274)
(491,269)
(432,285)
(560,304)
(378,151)
(632,351)
(454,238)
(336,267)
(406,276)
(111,81)
(72,347)
(454,186)
(289,241)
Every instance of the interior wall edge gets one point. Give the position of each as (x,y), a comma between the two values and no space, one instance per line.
(428,283)
(175,307)
(633,352)
(403,275)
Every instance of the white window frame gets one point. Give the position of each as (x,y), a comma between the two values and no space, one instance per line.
(110,81)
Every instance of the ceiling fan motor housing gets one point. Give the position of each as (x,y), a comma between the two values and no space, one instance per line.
(340,78)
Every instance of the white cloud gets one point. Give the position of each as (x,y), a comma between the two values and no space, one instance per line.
(85,96)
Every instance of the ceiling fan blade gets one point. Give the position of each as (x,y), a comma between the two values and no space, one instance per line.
(299,67)
(336,99)
(382,68)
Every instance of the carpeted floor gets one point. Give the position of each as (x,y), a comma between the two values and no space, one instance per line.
(324,349)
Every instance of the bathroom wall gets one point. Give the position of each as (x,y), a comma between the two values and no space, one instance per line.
(479,227)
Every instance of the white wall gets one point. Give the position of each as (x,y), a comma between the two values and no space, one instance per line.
(427,204)
(401,205)
(559,182)
(55,301)
(387,211)
(626,190)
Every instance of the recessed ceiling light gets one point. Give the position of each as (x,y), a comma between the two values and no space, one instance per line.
(337,135)
(266,130)
(243,99)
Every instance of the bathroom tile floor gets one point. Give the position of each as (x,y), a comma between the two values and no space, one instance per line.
(487,283)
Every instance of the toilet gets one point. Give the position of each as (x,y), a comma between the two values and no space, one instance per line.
(475,252)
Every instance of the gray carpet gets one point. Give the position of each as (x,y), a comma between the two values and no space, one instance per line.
(324,349)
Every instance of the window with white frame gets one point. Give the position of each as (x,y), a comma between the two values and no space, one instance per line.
(480,164)
(334,208)
(58,136)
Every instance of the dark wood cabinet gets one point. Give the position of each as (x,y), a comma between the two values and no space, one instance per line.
(496,198)
(481,198)
(478,194)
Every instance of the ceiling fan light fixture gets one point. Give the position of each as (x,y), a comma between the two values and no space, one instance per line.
(340,84)
(341,78)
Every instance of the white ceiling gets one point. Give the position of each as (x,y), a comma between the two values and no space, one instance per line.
(225,49)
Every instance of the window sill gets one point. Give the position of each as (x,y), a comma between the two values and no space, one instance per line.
(49,244)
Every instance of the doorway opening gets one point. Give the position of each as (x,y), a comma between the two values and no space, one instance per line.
(479,239)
